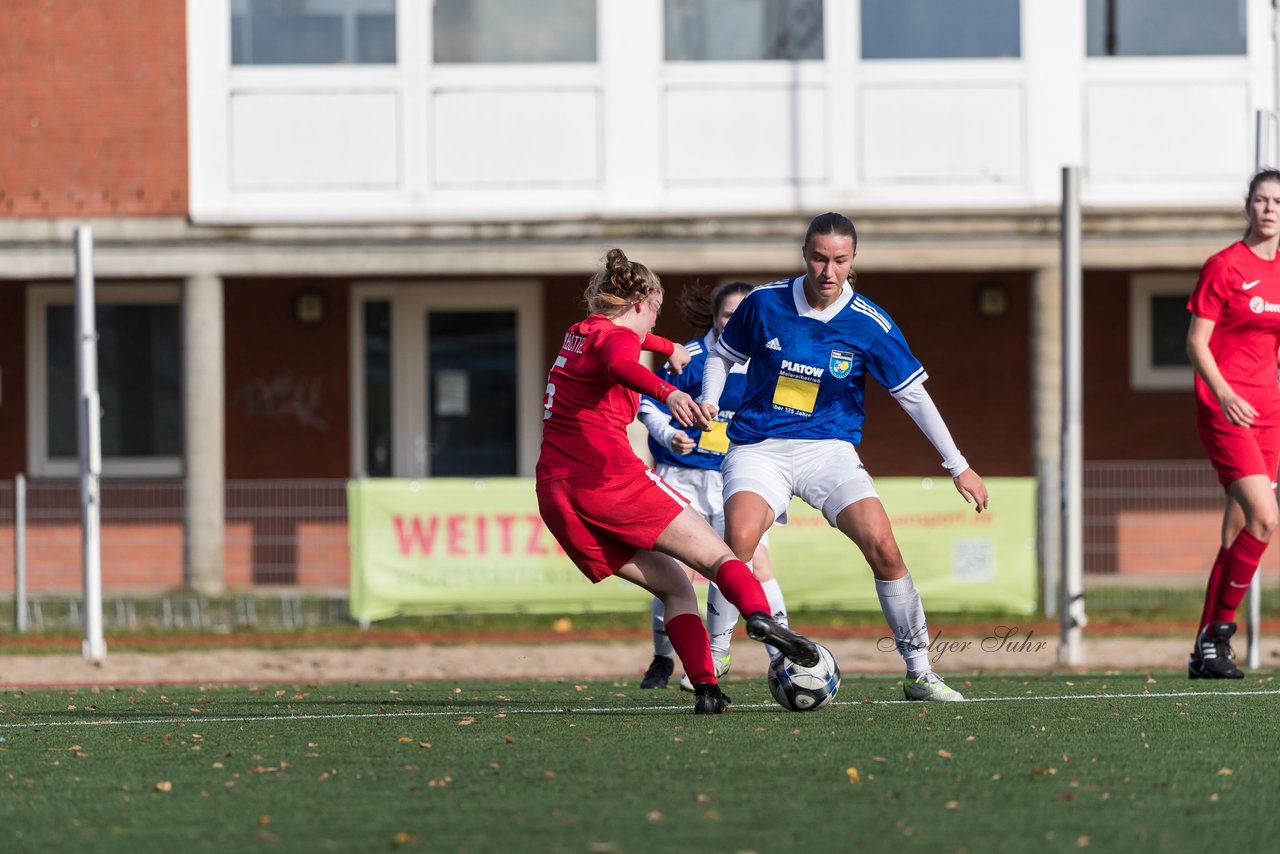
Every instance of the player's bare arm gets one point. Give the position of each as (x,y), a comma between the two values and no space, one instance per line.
(969,484)
(1237,410)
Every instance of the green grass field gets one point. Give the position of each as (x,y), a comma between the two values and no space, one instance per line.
(1041,762)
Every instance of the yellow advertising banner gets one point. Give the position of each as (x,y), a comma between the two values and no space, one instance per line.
(448,545)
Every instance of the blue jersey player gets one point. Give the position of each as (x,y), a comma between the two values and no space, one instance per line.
(689,459)
(809,344)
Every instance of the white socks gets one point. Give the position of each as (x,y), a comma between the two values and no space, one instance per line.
(900,603)
(661,643)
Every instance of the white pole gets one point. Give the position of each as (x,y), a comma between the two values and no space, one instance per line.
(20,551)
(1071,601)
(94,648)
(1264,135)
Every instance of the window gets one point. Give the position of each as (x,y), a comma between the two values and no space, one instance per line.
(139,380)
(313,32)
(1166,27)
(941,29)
(736,30)
(514,31)
(1158,321)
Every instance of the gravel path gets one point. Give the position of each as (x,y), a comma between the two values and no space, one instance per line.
(571,660)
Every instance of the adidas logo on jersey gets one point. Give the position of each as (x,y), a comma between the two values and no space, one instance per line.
(774,344)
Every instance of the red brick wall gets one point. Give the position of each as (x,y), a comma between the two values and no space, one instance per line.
(1120,423)
(288,393)
(93,106)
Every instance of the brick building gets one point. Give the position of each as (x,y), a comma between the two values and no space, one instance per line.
(310,217)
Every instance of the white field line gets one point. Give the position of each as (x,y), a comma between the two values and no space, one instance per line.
(627,710)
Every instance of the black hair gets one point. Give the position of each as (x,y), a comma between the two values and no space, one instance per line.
(701,305)
(833,223)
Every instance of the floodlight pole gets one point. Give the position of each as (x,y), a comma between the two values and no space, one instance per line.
(88,422)
(1071,600)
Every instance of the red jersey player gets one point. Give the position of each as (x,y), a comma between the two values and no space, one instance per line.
(1233,343)
(610,513)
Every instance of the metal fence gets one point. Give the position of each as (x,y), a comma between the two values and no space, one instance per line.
(1150,529)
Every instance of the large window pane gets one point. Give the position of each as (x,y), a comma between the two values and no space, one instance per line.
(514,31)
(312,32)
(1166,27)
(734,30)
(941,29)
(139,380)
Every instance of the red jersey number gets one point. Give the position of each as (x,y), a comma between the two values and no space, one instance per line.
(551,388)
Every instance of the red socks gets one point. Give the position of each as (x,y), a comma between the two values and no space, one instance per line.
(1239,564)
(739,586)
(689,638)
(1211,589)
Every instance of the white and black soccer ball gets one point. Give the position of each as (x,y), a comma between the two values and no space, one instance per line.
(804,689)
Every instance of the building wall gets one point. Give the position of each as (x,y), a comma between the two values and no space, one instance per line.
(1122,423)
(287,383)
(94,108)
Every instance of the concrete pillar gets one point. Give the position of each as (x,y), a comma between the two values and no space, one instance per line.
(204,419)
(1046,428)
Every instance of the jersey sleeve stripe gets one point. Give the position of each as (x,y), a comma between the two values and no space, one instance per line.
(862,308)
(729,353)
(916,376)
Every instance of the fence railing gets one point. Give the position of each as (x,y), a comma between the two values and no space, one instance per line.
(1150,530)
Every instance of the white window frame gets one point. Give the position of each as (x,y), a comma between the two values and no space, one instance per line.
(39,298)
(1143,375)
(409,369)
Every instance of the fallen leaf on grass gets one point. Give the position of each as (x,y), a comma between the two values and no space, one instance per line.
(853,775)
(945,754)
(1224,772)
(403,838)
(164,786)
(653,816)
(467,721)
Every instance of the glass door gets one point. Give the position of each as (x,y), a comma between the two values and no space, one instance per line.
(449,378)
(471,393)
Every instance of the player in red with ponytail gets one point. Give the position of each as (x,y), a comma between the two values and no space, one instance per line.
(1232,343)
(608,510)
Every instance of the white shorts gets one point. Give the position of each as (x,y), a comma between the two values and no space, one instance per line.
(703,487)
(705,490)
(826,473)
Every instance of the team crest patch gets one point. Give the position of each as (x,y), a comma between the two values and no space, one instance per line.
(841,363)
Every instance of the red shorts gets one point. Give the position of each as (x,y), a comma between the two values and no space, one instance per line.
(1237,452)
(601,522)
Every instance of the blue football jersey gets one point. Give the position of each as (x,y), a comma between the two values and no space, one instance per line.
(711,445)
(806,378)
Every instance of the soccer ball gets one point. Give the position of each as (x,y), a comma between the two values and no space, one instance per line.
(804,689)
